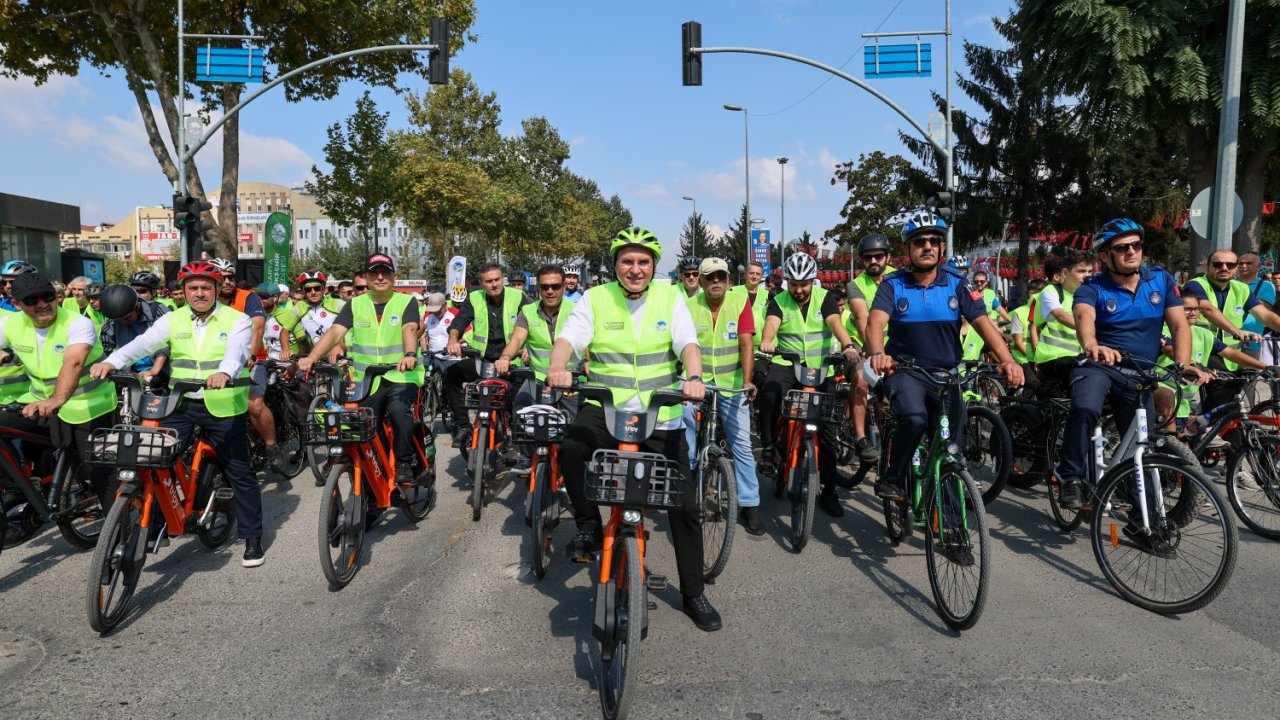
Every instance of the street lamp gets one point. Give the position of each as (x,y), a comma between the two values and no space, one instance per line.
(695,219)
(782,192)
(746,148)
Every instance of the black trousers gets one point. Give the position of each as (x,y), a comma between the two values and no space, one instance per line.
(64,435)
(455,376)
(394,401)
(914,403)
(778,380)
(230,437)
(588,434)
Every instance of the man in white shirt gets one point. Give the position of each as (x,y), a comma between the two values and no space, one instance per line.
(438,319)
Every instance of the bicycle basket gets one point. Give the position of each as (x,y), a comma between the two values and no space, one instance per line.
(815,407)
(634,479)
(339,425)
(486,393)
(540,425)
(134,446)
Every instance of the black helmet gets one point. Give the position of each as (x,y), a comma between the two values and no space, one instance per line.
(516,277)
(689,262)
(94,290)
(873,241)
(146,279)
(118,301)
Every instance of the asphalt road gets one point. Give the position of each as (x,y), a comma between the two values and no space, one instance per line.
(445,621)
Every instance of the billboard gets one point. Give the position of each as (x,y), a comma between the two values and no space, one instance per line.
(760,248)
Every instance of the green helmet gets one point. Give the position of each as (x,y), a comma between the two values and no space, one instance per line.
(635,236)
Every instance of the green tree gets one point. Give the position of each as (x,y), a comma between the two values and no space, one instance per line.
(136,39)
(732,245)
(339,260)
(360,188)
(695,237)
(880,189)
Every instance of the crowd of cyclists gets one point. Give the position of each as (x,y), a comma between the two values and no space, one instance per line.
(1086,332)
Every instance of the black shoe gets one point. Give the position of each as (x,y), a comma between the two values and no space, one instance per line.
(253,555)
(583,546)
(1149,544)
(751,521)
(830,504)
(1071,493)
(276,459)
(703,615)
(889,491)
(867,454)
(405,472)
(462,442)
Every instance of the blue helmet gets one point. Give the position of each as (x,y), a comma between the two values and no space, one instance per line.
(18,267)
(1114,229)
(922,221)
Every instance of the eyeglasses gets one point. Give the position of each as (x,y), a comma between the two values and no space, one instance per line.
(979,282)
(550,287)
(922,240)
(1190,309)
(361,288)
(691,274)
(717,276)
(141,289)
(1125,248)
(874,257)
(313,288)
(1224,264)
(33,300)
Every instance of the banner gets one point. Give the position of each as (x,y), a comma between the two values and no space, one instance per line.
(456,279)
(760,249)
(277,242)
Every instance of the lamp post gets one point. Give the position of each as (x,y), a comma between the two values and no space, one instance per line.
(782,192)
(746,151)
(694,237)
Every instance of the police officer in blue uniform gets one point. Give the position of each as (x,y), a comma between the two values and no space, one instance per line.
(923,305)
(1122,309)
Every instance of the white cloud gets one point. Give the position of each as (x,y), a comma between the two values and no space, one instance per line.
(977,21)
(30,109)
(714,230)
(652,191)
(767,182)
(577,142)
(828,161)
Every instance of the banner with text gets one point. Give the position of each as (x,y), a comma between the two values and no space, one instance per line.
(277,242)
(760,248)
(457,279)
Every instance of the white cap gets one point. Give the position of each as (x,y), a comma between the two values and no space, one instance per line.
(284,288)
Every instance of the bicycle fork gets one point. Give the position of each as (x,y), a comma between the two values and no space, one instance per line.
(1139,477)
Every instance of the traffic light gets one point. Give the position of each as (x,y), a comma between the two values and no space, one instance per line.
(943,204)
(690,38)
(186,217)
(438,59)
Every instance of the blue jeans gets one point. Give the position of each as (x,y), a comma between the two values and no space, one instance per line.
(736,419)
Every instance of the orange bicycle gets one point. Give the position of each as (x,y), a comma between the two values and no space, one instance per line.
(542,426)
(362,481)
(186,483)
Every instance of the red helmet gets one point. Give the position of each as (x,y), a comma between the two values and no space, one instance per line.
(199,268)
(311,277)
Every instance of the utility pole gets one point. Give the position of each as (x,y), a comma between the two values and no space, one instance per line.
(782,211)
(1222,213)
(746,151)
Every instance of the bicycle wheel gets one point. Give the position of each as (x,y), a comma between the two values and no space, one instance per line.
(116,564)
(957,549)
(479,468)
(80,515)
(222,514)
(804,494)
(719,513)
(988,451)
(289,437)
(416,497)
(318,455)
(1028,460)
(540,526)
(1066,519)
(430,401)
(626,610)
(1181,508)
(1172,569)
(1253,486)
(898,521)
(342,521)
(990,389)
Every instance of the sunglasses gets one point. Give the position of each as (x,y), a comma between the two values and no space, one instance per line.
(313,288)
(362,288)
(718,276)
(979,282)
(693,274)
(1125,248)
(1224,264)
(923,240)
(874,257)
(550,287)
(37,299)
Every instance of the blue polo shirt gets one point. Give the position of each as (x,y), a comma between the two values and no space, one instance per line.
(1131,322)
(924,320)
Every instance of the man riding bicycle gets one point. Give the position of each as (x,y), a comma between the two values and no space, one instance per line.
(689,275)
(384,331)
(1227,303)
(634,330)
(315,313)
(8,274)
(55,346)
(1058,347)
(806,320)
(923,306)
(873,255)
(208,342)
(572,292)
(130,316)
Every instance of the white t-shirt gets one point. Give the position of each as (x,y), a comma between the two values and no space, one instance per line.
(1048,303)
(81,332)
(271,337)
(438,329)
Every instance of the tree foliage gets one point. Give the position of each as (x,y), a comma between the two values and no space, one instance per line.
(880,188)
(695,237)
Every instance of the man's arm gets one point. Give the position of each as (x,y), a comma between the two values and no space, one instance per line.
(511,349)
(771,325)
(858,307)
(1266,316)
(328,341)
(1215,316)
(255,341)
(148,343)
(68,379)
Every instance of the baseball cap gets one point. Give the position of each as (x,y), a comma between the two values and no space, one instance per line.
(712,265)
(283,288)
(28,284)
(435,301)
(378,260)
(267,288)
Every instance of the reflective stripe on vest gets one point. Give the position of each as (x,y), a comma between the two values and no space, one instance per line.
(634,364)
(540,341)
(42,363)
(1237,295)
(1023,314)
(1056,339)
(758,308)
(718,338)
(869,288)
(809,336)
(478,336)
(196,358)
(380,342)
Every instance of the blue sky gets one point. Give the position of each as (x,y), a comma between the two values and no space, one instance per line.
(606,74)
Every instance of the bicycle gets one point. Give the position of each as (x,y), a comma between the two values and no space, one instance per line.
(941,500)
(629,481)
(542,426)
(362,481)
(804,409)
(431,396)
(288,426)
(717,485)
(988,448)
(185,482)
(490,397)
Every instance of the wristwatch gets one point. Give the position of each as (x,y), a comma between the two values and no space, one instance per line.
(411,353)
(694,378)
(849,346)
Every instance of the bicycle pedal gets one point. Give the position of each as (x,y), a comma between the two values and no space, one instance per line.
(656,583)
(223,494)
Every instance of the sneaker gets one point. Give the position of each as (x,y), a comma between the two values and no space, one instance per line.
(522,466)
(1245,480)
(830,504)
(867,454)
(1071,493)
(253,555)
(1148,543)
(276,459)
(583,546)
(405,472)
(751,521)
(699,609)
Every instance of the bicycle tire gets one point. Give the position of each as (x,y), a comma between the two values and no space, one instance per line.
(1028,448)
(120,570)
(630,610)
(719,514)
(992,443)
(1211,533)
(318,455)
(289,431)
(804,499)
(1067,519)
(417,497)
(1184,506)
(991,389)
(959,591)
(212,477)
(80,516)
(540,525)
(1258,509)
(898,521)
(342,527)
(479,468)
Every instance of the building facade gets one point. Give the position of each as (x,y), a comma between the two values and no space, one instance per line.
(30,230)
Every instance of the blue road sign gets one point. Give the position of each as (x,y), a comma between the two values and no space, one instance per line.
(896,61)
(230,64)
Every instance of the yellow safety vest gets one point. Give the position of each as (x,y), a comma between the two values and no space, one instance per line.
(718,338)
(380,342)
(91,398)
(193,358)
(809,336)
(632,364)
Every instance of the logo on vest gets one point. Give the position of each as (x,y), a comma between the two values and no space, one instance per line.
(395,319)
(1154,297)
(613,326)
(1111,305)
(732,326)
(661,326)
(1239,309)
(222,336)
(59,348)
(903,304)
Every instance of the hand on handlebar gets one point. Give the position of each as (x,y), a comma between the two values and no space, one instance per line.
(1102,354)
(767,346)
(850,355)
(42,409)
(305,364)
(407,363)
(882,364)
(502,366)
(217,381)
(694,390)
(1249,337)
(453,348)
(1012,372)
(559,379)
(1197,375)
(100,371)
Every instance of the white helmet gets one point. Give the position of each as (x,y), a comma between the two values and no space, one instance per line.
(224,266)
(571,270)
(800,267)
